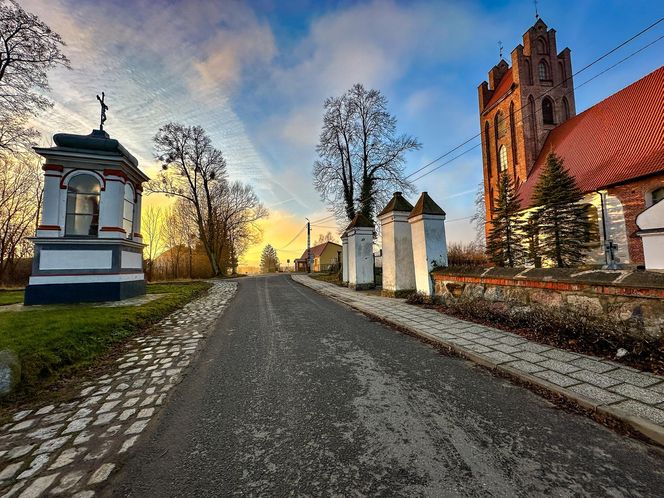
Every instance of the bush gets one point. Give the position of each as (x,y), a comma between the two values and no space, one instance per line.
(470,254)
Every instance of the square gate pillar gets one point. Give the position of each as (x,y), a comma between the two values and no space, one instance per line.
(427,223)
(344,258)
(398,268)
(360,253)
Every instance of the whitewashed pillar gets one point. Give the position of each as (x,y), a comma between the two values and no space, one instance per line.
(398,268)
(50,216)
(111,204)
(344,257)
(360,253)
(138,207)
(427,223)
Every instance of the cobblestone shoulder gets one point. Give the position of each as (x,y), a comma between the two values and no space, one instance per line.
(71,448)
(603,387)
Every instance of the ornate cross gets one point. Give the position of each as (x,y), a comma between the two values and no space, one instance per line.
(104,108)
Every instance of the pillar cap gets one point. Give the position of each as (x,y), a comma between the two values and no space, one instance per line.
(425,205)
(358,222)
(397,203)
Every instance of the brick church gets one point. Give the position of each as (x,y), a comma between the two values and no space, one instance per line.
(615,149)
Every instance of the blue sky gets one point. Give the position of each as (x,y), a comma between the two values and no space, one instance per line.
(255,74)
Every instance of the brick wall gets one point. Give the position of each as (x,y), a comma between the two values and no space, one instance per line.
(635,197)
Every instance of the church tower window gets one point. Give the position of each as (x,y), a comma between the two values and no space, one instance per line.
(513,133)
(529,73)
(502,158)
(541,47)
(501,125)
(488,148)
(543,71)
(565,109)
(533,122)
(547,111)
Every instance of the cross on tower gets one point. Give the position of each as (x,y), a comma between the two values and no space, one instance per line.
(536,12)
(500,49)
(104,108)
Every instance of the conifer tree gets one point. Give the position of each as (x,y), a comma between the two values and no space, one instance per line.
(505,240)
(561,218)
(269,260)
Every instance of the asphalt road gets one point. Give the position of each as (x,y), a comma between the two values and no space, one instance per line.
(295,394)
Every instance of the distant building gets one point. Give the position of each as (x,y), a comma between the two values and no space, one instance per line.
(615,149)
(325,257)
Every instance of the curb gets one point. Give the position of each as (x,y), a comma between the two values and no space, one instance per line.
(638,426)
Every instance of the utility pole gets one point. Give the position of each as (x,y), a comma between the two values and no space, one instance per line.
(308,246)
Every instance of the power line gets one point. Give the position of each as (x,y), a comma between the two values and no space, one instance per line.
(294,238)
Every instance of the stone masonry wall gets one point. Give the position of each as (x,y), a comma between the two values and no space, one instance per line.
(641,306)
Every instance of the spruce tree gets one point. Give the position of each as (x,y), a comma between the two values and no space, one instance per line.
(505,241)
(269,260)
(561,218)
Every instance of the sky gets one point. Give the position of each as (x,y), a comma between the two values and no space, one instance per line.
(255,74)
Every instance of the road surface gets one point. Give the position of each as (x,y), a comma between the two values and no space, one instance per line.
(295,394)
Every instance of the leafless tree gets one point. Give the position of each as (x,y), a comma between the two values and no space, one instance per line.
(153,237)
(361,158)
(192,168)
(21,191)
(28,50)
(328,237)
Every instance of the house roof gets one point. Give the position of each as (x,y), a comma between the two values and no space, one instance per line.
(397,203)
(425,205)
(502,88)
(316,251)
(619,139)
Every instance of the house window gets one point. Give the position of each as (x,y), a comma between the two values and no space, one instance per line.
(543,71)
(501,125)
(657,195)
(547,111)
(502,158)
(591,234)
(128,211)
(82,214)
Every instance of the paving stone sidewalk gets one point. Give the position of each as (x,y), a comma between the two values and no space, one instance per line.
(624,393)
(70,448)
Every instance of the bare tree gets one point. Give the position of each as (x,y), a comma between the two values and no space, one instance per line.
(21,191)
(361,156)
(192,168)
(28,50)
(328,237)
(152,228)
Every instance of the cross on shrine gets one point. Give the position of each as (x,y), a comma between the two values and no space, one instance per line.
(104,108)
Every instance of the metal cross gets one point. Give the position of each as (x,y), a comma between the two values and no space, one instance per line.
(536,12)
(500,49)
(104,108)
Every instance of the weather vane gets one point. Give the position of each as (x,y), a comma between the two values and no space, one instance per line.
(500,49)
(104,108)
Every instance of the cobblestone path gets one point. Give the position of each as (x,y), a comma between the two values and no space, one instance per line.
(71,448)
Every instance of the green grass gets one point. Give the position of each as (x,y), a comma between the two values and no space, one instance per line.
(58,340)
(11,297)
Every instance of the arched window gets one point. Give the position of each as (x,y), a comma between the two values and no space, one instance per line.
(82,214)
(487,144)
(128,211)
(591,233)
(541,46)
(513,134)
(547,111)
(533,121)
(543,71)
(529,73)
(502,158)
(565,109)
(563,73)
(657,195)
(501,125)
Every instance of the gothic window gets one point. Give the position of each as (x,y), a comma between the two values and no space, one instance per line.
(591,233)
(563,74)
(547,111)
(82,213)
(565,109)
(513,134)
(657,195)
(128,211)
(543,71)
(501,125)
(533,121)
(541,46)
(529,73)
(502,158)
(487,145)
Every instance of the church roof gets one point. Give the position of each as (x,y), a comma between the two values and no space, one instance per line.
(619,139)
(502,88)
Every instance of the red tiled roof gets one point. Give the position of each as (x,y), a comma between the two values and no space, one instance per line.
(619,139)
(502,88)
(316,251)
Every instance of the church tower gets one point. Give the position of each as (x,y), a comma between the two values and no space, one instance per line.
(521,104)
